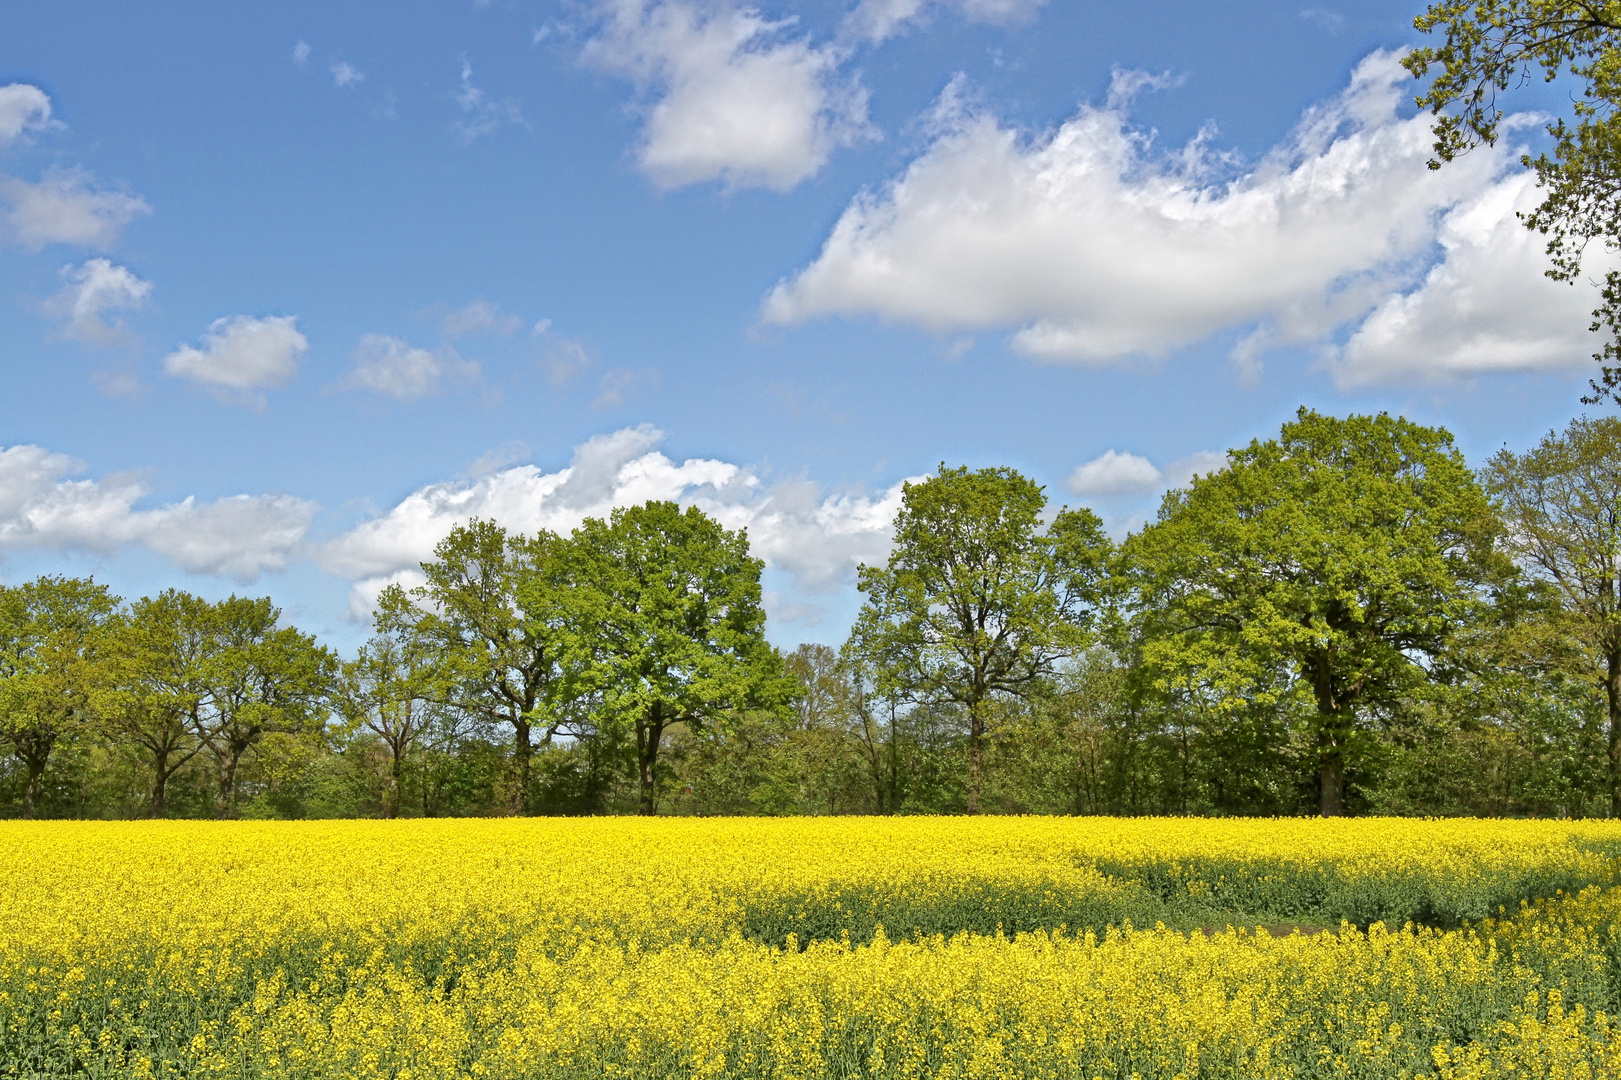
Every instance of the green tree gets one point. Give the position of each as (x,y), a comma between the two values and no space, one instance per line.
(493,607)
(52,631)
(667,626)
(260,677)
(826,742)
(156,686)
(389,687)
(978,600)
(1562,505)
(1343,555)
(1490,46)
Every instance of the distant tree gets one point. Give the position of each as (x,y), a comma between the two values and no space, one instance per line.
(493,608)
(1345,554)
(824,743)
(667,626)
(260,677)
(155,687)
(1492,46)
(1562,505)
(978,599)
(52,631)
(389,688)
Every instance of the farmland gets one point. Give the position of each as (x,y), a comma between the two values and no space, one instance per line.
(808,948)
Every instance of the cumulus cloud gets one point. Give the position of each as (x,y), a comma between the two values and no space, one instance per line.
(343,74)
(1486,306)
(241,355)
(1113,473)
(816,538)
(1180,473)
(42,506)
(392,366)
(301,53)
(92,290)
(23,109)
(878,20)
(65,207)
(1094,247)
(735,100)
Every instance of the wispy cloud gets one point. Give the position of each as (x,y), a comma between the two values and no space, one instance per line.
(93,290)
(482,114)
(343,74)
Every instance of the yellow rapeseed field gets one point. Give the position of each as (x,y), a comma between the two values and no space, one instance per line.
(995,947)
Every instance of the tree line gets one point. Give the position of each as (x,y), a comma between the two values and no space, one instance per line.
(1345,618)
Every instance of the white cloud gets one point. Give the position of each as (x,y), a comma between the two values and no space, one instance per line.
(345,75)
(23,109)
(391,366)
(42,507)
(735,101)
(1114,473)
(65,207)
(878,20)
(793,526)
(94,289)
(1095,248)
(301,53)
(482,114)
(479,317)
(241,355)
(241,536)
(1180,473)
(1486,306)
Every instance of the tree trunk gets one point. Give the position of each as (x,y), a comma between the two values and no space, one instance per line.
(391,804)
(976,738)
(160,781)
(1333,804)
(1612,689)
(525,754)
(34,748)
(1330,746)
(894,764)
(227,799)
(31,797)
(649,733)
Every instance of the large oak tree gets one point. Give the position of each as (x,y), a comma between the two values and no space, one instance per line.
(492,610)
(51,632)
(1344,555)
(667,627)
(978,598)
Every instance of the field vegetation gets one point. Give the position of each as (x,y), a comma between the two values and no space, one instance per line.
(861,947)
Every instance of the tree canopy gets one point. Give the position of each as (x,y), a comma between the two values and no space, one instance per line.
(978,599)
(669,628)
(1338,559)
(1561,504)
(1488,47)
(1344,618)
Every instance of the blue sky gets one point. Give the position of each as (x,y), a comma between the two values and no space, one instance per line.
(286,291)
